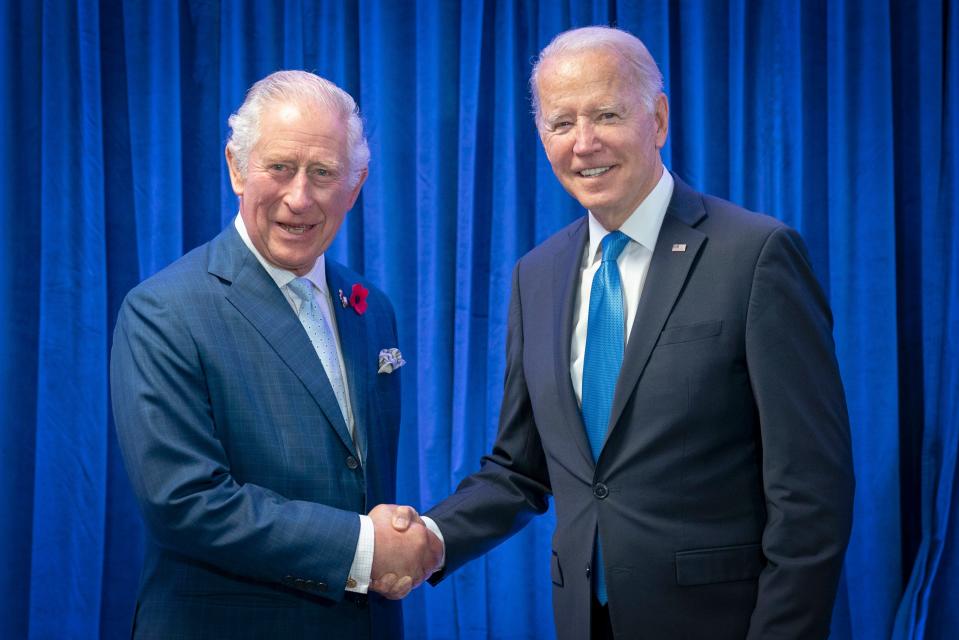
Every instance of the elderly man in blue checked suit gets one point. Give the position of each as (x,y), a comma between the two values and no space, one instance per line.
(256,393)
(670,381)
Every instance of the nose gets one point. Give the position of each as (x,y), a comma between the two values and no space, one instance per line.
(585,140)
(298,196)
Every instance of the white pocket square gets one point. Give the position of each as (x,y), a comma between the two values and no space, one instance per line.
(390,360)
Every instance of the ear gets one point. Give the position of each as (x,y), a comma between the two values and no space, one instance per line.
(661,114)
(236,179)
(359,185)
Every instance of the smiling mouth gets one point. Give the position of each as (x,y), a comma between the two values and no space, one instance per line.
(597,171)
(296,230)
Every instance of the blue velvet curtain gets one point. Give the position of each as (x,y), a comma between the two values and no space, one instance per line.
(839,117)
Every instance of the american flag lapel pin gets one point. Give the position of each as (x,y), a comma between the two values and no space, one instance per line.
(679,248)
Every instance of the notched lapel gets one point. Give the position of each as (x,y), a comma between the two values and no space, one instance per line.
(566,275)
(668,272)
(352,329)
(257,298)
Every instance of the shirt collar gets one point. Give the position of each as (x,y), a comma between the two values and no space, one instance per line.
(282,277)
(643,224)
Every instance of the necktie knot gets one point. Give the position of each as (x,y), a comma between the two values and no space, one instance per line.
(613,245)
(302,288)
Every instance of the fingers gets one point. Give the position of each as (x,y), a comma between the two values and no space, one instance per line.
(392,587)
(400,517)
(405,551)
(403,516)
(401,588)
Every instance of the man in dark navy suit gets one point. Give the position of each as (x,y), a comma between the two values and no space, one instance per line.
(671,381)
(256,393)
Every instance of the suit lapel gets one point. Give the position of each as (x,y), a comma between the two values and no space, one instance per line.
(352,329)
(257,298)
(566,278)
(667,275)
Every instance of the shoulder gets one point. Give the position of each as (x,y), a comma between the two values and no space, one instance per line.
(182,280)
(742,235)
(559,241)
(543,255)
(726,218)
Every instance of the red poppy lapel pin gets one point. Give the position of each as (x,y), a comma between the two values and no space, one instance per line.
(358,298)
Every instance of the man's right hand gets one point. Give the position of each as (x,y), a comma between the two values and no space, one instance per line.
(405,552)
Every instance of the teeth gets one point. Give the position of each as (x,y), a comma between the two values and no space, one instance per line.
(297,229)
(588,173)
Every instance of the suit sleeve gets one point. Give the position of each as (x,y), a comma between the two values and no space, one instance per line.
(181,474)
(512,484)
(807,461)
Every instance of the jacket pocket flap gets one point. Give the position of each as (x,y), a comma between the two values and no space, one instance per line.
(689,332)
(555,571)
(719,564)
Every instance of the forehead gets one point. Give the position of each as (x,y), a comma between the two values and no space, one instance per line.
(584,78)
(292,127)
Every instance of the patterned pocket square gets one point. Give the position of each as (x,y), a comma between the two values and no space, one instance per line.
(390,360)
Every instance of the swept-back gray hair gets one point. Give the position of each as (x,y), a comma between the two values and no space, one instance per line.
(305,88)
(648,77)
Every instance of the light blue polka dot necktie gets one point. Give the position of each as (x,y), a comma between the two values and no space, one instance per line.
(605,343)
(321,335)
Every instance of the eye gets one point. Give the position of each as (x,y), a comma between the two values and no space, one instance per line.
(321,175)
(608,115)
(278,167)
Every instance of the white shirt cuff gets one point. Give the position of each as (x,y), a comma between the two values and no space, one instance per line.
(359,580)
(428,521)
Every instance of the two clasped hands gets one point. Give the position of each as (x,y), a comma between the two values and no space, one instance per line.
(405,551)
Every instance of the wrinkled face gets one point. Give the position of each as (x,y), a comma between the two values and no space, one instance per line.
(601,140)
(297,188)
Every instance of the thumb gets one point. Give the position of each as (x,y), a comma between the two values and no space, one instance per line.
(402,518)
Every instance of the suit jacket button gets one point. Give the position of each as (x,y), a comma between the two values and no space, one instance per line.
(600,490)
(352,463)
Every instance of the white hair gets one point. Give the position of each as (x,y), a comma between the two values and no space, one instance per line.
(648,77)
(305,88)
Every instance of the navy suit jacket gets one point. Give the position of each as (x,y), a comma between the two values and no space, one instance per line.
(247,477)
(723,493)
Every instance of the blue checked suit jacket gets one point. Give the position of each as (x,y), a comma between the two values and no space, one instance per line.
(246,475)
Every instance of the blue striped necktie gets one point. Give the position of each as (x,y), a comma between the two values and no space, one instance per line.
(605,342)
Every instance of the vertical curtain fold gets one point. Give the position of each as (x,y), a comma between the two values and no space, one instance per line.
(470,319)
(862,287)
(927,607)
(71,442)
(20,100)
(435,170)
(838,117)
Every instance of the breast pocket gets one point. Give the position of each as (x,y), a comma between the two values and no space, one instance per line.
(690,332)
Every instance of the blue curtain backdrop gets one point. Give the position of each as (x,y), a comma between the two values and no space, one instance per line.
(838,117)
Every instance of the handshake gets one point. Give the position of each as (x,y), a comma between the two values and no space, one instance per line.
(405,552)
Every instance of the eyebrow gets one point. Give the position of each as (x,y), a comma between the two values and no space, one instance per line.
(281,158)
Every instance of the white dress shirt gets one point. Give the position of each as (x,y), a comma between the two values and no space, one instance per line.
(363,558)
(642,228)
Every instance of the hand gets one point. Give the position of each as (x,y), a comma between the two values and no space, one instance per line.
(405,551)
